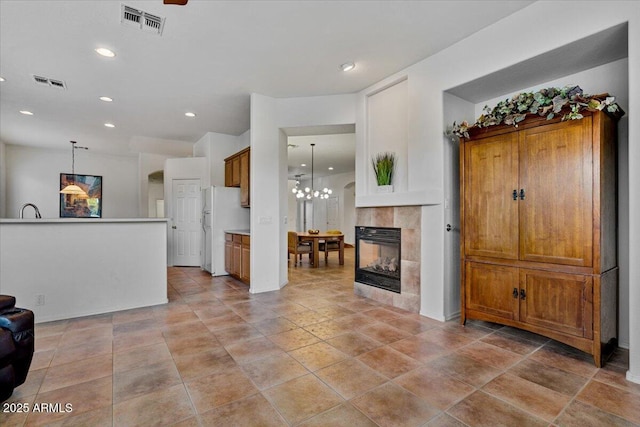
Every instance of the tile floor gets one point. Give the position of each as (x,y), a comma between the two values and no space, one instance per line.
(313,354)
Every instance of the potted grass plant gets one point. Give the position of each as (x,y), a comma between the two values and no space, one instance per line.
(383,166)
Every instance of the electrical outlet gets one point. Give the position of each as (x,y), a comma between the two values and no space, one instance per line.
(39,299)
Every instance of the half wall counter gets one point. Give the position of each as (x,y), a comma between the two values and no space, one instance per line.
(65,268)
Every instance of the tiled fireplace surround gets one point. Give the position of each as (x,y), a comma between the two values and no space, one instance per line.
(407,218)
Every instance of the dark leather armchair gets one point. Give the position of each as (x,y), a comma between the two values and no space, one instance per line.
(16,345)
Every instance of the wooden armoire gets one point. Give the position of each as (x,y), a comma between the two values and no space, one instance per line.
(538,229)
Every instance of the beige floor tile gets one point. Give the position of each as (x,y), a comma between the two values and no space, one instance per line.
(549,377)
(252,350)
(273,370)
(350,378)
(252,411)
(302,398)
(345,415)
(389,362)
(205,363)
(77,372)
(482,410)
(528,396)
(613,400)
(294,339)
(139,357)
(75,399)
(465,369)
(219,389)
(435,388)
(392,405)
(317,356)
(579,414)
(147,379)
(353,343)
(163,407)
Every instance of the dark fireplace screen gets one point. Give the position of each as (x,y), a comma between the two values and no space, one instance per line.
(378,257)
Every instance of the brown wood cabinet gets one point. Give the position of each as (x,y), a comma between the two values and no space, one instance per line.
(236,174)
(237,252)
(538,229)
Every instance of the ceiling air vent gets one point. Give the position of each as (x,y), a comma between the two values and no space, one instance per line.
(141,19)
(45,81)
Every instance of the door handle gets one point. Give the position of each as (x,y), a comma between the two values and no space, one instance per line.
(523,294)
(515,293)
(522,194)
(515,194)
(174,227)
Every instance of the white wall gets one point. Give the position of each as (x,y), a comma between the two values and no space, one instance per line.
(3,180)
(33,175)
(148,164)
(269,203)
(215,147)
(83,266)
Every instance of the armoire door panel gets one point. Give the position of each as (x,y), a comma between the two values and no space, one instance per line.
(556,301)
(490,289)
(491,176)
(556,212)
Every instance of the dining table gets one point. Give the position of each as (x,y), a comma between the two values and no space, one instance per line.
(315,241)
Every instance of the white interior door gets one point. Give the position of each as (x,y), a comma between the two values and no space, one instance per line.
(186,222)
(333,213)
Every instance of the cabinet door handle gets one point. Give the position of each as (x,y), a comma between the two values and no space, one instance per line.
(515,293)
(515,194)
(522,194)
(523,294)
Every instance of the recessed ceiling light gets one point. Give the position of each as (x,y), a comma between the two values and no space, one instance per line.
(303,164)
(190,114)
(1,79)
(330,168)
(110,125)
(105,52)
(106,99)
(347,66)
(26,113)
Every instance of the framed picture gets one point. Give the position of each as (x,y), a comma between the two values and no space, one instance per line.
(81,206)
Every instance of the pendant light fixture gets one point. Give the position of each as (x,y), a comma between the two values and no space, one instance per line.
(72,188)
(310,193)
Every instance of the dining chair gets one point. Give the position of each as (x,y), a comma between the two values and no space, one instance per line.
(297,248)
(330,244)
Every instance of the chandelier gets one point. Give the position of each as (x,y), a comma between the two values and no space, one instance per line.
(310,193)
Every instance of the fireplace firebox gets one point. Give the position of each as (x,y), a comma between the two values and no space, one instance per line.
(378,257)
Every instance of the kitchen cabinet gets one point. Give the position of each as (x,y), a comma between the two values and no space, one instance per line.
(236,174)
(538,229)
(238,256)
(245,259)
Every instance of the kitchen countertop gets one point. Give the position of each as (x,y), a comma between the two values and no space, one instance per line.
(243,232)
(76,220)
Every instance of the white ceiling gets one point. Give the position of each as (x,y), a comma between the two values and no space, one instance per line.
(210,57)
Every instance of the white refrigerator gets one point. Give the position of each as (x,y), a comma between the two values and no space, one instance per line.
(220,211)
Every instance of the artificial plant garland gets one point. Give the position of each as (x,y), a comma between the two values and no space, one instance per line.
(546,102)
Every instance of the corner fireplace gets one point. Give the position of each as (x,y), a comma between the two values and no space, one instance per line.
(378,257)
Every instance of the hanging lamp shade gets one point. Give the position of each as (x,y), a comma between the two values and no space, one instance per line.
(72,188)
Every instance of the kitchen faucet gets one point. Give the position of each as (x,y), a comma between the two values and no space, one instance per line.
(33,206)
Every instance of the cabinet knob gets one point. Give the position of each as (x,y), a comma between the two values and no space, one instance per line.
(523,294)
(515,293)
(515,194)
(522,194)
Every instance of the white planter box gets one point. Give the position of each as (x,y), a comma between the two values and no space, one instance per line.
(385,189)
